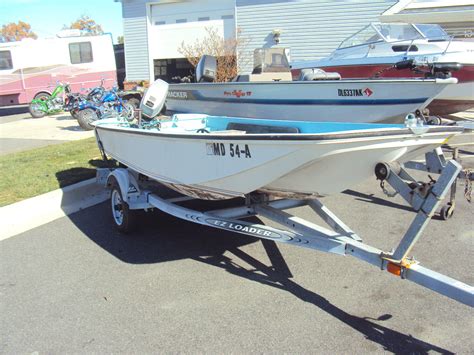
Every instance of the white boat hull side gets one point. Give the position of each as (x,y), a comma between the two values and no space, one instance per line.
(356,63)
(329,101)
(284,167)
(345,168)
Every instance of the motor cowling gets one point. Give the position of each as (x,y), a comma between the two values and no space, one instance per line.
(154,99)
(206,69)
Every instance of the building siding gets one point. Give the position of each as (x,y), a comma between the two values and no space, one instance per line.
(135,40)
(460,30)
(312,29)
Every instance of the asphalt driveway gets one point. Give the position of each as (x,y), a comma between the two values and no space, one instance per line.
(77,286)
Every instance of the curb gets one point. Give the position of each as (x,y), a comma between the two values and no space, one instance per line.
(36,211)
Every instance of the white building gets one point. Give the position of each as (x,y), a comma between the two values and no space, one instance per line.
(154,30)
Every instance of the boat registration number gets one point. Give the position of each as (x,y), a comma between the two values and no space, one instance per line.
(234,150)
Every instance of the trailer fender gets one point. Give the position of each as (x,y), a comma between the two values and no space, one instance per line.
(127,182)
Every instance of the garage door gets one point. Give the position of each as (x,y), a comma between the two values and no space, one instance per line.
(178,22)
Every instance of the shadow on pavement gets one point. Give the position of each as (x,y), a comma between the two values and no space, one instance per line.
(390,340)
(73,128)
(161,238)
(13,110)
(376,200)
(65,116)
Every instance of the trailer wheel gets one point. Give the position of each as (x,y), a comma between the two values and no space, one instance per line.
(123,217)
(446,212)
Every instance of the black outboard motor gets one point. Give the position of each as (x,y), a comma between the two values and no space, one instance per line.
(206,69)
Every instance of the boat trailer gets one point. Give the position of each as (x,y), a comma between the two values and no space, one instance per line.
(129,193)
(435,162)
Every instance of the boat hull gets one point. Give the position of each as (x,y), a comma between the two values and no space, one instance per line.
(452,99)
(211,166)
(328,101)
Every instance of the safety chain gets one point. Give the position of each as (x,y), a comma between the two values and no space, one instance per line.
(468,185)
(386,192)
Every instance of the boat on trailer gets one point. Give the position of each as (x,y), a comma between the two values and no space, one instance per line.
(209,157)
(270,93)
(219,157)
(374,50)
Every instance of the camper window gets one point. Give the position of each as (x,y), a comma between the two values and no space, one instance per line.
(6,60)
(80,52)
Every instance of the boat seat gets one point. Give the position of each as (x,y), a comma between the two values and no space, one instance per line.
(317,74)
(257,128)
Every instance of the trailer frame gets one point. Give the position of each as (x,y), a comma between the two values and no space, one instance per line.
(129,194)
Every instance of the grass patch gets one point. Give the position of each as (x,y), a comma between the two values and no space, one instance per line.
(37,171)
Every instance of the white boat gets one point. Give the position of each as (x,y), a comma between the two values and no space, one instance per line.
(373,51)
(329,101)
(270,92)
(211,157)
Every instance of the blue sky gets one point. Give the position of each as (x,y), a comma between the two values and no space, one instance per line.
(47,17)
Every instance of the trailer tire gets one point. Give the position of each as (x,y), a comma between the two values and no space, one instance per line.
(446,212)
(123,218)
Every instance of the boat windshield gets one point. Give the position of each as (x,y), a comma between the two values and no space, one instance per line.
(365,36)
(397,31)
(394,32)
(431,31)
(271,60)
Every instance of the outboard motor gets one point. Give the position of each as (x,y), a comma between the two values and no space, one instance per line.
(154,99)
(206,69)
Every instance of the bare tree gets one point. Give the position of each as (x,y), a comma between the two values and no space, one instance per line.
(225,50)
